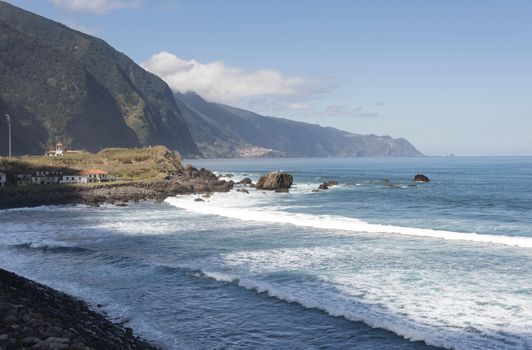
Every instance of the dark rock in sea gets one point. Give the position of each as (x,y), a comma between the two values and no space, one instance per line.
(35,316)
(121,204)
(315,190)
(274,181)
(199,200)
(323,186)
(229,175)
(246,181)
(331,183)
(387,185)
(421,178)
(282,190)
(243,190)
(252,185)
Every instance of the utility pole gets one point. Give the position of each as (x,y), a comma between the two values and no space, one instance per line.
(8,119)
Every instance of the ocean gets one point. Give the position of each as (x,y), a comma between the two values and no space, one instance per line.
(373,263)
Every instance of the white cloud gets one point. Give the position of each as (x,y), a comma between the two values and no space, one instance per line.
(95,6)
(297,106)
(219,82)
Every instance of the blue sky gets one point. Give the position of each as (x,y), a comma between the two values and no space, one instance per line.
(450,76)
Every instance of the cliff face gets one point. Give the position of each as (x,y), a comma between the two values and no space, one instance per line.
(63,85)
(225,131)
(60,85)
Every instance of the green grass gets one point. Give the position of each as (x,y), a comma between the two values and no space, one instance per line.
(127,164)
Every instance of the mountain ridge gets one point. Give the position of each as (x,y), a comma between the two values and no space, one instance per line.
(62,85)
(138,108)
(237,129)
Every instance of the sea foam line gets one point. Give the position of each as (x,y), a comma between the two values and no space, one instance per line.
(336,307)
(330,222)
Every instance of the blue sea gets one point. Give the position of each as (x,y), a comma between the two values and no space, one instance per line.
(373,263)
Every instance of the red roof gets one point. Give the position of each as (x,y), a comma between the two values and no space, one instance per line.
(92,172)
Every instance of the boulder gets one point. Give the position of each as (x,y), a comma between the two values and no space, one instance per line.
(199,200)
(421,178)
(275,181)
(191,170)
(243,190)
(246,181)
(323,186)
(281,190)
(331,183)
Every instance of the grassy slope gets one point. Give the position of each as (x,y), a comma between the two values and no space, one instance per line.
(138,164)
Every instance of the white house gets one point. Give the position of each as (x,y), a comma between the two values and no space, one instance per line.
(24,179)
(86,176)
(44,177)
(3,179)
(58,151)
(95,175)
(74,179)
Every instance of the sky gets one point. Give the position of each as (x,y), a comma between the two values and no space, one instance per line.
(451,76)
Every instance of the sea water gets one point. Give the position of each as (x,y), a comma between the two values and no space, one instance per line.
(377,262)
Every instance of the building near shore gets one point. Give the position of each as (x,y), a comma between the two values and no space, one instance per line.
(3,179)
(95,175)
(46,177)
(87,176)
(24,179)
(74,179)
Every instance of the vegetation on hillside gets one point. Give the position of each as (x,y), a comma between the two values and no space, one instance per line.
(154,163)
(60,85)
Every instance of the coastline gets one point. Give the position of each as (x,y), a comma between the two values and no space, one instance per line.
(187,181)
(36,316)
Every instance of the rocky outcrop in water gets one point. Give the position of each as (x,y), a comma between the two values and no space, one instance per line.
(275,181)
(421,178)
(33,316)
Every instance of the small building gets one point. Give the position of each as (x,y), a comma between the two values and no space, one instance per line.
(74,179)
(58,151)
(87,176)
(24,179)
(46,177)
(3,179)
(95,175)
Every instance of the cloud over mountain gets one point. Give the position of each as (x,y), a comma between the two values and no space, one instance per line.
(95,6)
(219,82)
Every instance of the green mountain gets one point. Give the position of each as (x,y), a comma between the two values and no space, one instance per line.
(60,85)
(224,131)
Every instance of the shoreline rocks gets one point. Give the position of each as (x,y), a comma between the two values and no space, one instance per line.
(275,181)
(33,316)
(189,181)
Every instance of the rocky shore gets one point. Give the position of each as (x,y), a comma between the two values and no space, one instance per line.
(187,181)
(33,316)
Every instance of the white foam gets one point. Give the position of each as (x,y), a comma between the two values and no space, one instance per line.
(240,211)
(338,305)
